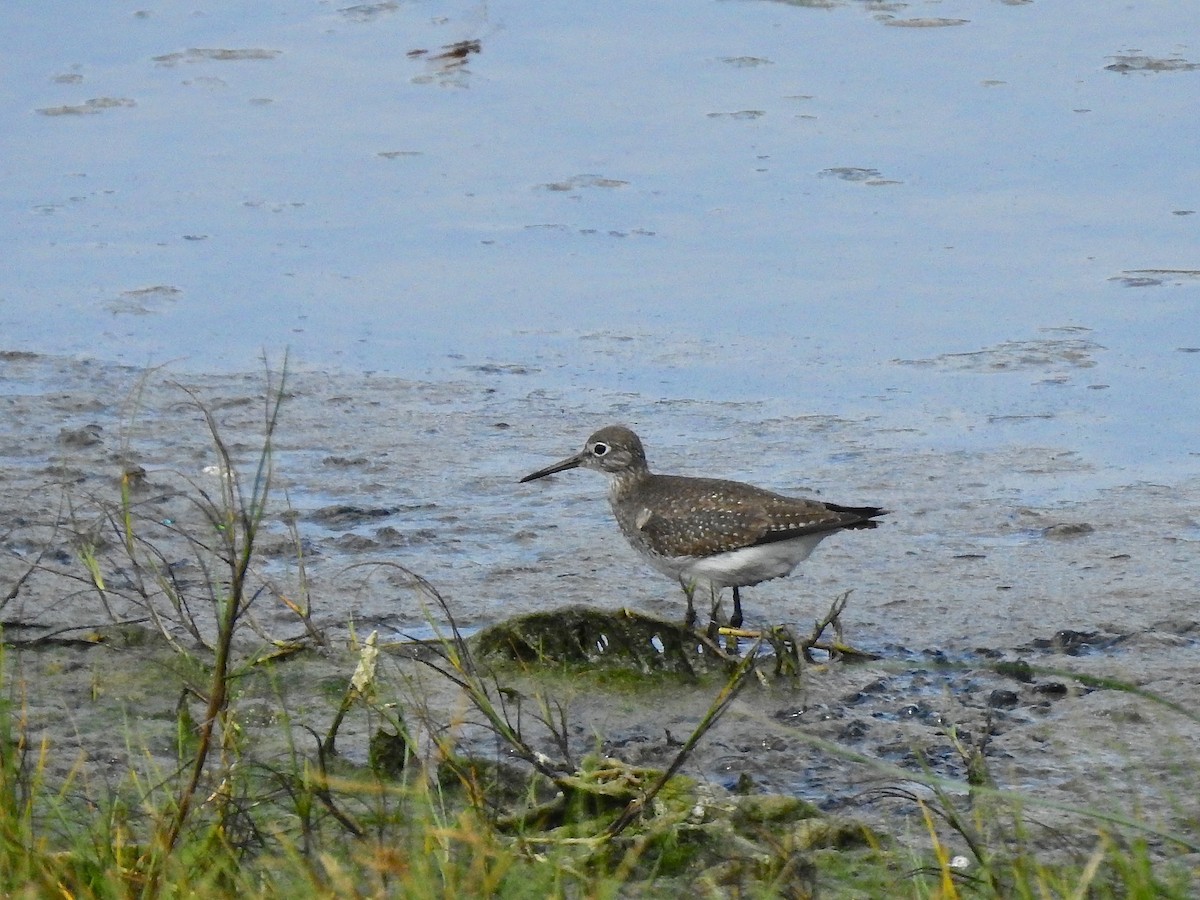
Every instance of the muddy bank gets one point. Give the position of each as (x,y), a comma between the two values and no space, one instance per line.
(983,610)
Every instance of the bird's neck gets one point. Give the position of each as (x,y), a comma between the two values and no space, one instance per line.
(622,484)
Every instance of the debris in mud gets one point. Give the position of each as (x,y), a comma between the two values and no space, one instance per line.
(739,114)
(451,62)
(746,62)
(459,50)
(1137,281)
(1003,699)
(346,516)
(1053,689)
(583,181)
(88,107)
(1075,643)
(857,175)
(1066,530)
(1009,356)
(221,54)
(77,438)
(1156,277)
(144,301)
(365,12)
(1125,64)
(924,22)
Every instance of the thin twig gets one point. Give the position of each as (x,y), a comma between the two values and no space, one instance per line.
(730,691)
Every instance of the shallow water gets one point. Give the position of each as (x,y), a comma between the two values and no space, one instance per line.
(980,226)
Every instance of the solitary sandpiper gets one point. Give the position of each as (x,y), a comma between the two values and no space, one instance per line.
(707,532)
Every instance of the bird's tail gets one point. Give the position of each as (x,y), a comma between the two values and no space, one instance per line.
(866,514)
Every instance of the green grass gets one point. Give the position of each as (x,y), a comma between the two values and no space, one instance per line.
(277,819)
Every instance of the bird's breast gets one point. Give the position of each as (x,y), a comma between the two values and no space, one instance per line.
(749,565)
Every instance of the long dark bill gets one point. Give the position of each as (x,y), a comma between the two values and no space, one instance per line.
(571,462)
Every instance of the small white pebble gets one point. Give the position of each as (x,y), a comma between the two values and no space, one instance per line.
(959,862)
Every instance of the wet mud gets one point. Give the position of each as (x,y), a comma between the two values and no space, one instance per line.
(1059,641)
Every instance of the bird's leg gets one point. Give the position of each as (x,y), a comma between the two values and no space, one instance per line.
(735,621)
(689,590)
(714,611)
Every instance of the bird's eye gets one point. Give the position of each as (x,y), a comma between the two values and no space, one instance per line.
(599,449)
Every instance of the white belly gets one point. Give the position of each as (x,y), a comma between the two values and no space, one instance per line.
(738,568)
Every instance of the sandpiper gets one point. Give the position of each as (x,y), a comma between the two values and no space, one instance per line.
(707,532)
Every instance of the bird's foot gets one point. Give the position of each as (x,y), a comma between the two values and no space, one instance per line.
(713,631)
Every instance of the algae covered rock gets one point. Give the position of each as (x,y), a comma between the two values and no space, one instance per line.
(772,808)
(581,635)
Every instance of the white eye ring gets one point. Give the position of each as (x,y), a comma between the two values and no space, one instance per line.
(600,450)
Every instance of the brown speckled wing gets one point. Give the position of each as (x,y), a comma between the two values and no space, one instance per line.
(710,516)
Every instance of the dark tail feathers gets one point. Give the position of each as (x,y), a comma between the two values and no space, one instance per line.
(866,514)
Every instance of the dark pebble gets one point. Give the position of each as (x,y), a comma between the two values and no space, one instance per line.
(87,436)
(344,462)
(919,711)
(791,714)
(1066,530)
(1002,699)
(355,543)
(854,731)
(1074,642)
(342,516)
(1051,689)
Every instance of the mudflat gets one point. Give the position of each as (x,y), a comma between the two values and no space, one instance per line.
(1063,642)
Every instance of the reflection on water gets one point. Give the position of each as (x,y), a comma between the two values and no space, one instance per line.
(972,240)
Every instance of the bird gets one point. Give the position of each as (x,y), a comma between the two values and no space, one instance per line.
(707,532)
